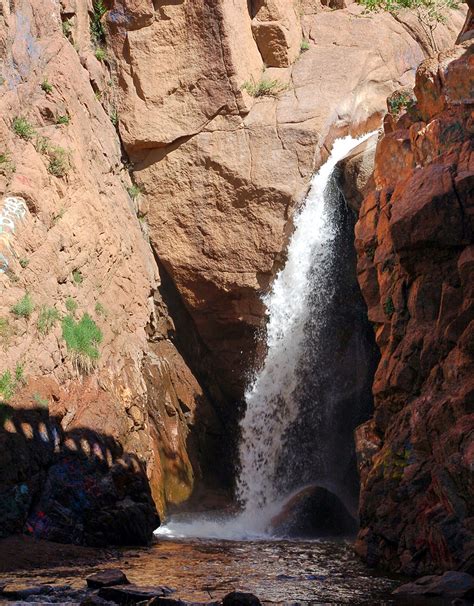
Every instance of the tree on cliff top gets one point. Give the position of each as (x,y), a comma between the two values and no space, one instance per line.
(428,12)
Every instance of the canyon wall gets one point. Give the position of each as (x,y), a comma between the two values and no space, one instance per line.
(222,165)
(414,240)
(71,243)
(130,310)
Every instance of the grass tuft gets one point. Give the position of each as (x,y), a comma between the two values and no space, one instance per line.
(22,128)
(264,88)
(82,339)
(47,318)
(24,307)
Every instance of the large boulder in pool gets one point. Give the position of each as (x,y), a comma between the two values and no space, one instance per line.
(314,512)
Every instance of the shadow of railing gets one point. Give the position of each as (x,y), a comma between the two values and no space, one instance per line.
(77,486)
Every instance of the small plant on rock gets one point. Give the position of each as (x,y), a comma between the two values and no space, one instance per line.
(6,165)
(24,307)
(82,339)
(67,28)
(71,305)
(264,88)
(134,191)
(59,163)
(47,318)
(10,383)
(100,54)
(399,101)
(46,86)
(389,307)
(96,27)
(100,309)
(77,277)
(63,119)
(304,45)
(23,129)
(24,263)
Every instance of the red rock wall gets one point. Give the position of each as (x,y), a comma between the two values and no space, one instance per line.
(415,245)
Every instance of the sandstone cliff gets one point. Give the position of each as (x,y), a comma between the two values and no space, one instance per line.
(71,243)
(222,169)
(415,245)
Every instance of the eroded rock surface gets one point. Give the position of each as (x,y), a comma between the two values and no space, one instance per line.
(415,245)
(222,171)
(70,238)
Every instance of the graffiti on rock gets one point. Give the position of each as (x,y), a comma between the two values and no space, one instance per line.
(12,213)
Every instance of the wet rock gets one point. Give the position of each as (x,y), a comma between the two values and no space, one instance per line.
(107,578)
(355,172)
(451,584)
(132,594)
(314,512)
(239,598)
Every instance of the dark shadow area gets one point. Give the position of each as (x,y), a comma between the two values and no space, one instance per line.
(76,486)
(215,452)
(335,375)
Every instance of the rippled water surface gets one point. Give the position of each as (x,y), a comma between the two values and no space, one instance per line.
(276,571)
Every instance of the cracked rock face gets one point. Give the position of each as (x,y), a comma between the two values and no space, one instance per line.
(416,262)
(70,237)
(222,172)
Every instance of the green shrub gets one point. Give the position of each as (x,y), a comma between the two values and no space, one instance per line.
(134,191)
(100,54)
(304,45)
(7,385)
(264,88)
(46,86)
(114,117)
(10,383)
(82,338)
(23,128)
(96,28)
(24,263)
(71,305)
(6,332)
(77,277)
(47,318)
(63,119)
(399,101)
(42,144)
(67,28)
(24,307)
(59,163)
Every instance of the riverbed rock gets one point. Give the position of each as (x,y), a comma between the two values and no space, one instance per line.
(414,241)
(132,594)
(240,598)
(452,584)
(314,512)
(106,578)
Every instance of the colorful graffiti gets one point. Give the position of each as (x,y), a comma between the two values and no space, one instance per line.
(13,212)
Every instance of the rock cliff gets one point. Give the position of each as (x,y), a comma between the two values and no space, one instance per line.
(224,147)
(414,240)
(151,156)
(75,257)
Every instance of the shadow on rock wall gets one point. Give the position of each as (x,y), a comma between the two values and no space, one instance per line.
(75,486)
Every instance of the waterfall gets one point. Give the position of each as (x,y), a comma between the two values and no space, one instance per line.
(272,402)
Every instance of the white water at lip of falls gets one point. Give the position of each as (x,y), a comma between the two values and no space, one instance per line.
(271,407)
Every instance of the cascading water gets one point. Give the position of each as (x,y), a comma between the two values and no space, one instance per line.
(273,398)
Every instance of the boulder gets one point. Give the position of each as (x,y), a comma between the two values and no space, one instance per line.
(107,578)
(132,594)
(240,598)
(451,584)
(314,512)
